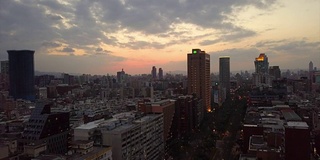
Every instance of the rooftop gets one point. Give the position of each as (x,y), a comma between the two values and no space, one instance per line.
(94,152)
(162,102)
(81,142)
(290,115)
(91,125)
(123,128)
(146,118)
(298,125)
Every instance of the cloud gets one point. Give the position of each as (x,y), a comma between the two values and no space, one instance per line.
(54,17)
(235,36)
(67,49)
(209,42)
(290,46)
(142,45)
(297,46)
(51,44)
(100,51)
(86,24)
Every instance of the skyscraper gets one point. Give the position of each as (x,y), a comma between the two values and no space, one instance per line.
(154,72)
(121,76)
(261,75)
(160,73)
(310,66)
(310,70)
(261,64)
(224,73)
(275,72)
(199,76)
(21,74)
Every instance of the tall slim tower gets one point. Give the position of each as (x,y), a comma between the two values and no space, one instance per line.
(154,72)
(160,73)
(21,74)
(224,73)
(199,76)
(310,66)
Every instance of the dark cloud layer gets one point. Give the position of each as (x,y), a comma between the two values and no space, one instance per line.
(68,26)
(83,23)
(67,49)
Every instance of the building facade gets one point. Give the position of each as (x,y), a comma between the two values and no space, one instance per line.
(261,64)
(21,74)
(274,72)
(261,74)
(49,128)
(160,73)
(131,135)
(154,72)
(224,73)
(199,76)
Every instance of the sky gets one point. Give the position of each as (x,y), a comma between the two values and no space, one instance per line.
(104,36)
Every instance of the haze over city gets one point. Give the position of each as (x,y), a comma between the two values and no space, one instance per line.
(100,37)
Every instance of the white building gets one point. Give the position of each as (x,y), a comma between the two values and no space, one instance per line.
(130,136)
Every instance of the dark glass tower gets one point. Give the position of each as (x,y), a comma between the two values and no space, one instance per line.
(224,73)
(21,74)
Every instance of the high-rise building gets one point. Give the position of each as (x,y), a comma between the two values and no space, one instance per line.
(121,76)
(310,66)
(4,67)
(199,76)
(188,115)
(275,72)
(154,72)
(21,74)
(261,64)
(160,73)
(49,128)
(261,75)
(310,70)
(224,73)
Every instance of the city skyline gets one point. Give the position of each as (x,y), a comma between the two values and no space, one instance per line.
(97,37)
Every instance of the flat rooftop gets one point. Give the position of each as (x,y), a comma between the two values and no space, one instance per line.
(162,102)
(298,125)
(122,128)
(81,142)
(146,118)
(94,152)
(290,115)
(91,125)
